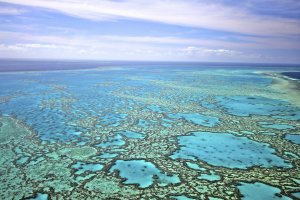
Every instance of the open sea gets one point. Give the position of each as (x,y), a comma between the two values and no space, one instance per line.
(149,130)
(295,75)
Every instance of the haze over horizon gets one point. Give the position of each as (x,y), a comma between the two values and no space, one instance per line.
(164,30)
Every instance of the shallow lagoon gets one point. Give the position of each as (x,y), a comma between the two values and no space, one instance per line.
(226,150)
(155,131)
(260,191)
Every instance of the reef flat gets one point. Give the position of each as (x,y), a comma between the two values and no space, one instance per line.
(150,132)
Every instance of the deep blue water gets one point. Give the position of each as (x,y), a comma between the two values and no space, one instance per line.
(46,65)
(295,75)
(7,65)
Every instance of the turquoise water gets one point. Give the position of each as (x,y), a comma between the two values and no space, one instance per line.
(252,105)
(195,166)
(296,195)
(275,126)
(196,118)
(223,149)
(116,140)
(107,155)
(41,196)
(293,138)
(212,176)
(182,197)
(258,190)
(149,131)
(81,167)
(142,173)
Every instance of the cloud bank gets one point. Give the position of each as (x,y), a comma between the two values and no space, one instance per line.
(192,13)
(194,30)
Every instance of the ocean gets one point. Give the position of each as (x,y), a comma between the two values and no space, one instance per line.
(148,130)
(295,75)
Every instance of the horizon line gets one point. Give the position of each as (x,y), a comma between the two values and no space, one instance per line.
(150,61)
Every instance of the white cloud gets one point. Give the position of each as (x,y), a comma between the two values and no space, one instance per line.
(47,46)
(223,52)
(12,47)
(118,40)
(28,46)
(120,51)
(190,13)
(200,51)
(114,47)
(11,11)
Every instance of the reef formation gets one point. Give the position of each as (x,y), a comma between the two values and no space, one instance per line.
(149,133)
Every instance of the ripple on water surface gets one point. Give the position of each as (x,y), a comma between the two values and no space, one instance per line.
(226,150)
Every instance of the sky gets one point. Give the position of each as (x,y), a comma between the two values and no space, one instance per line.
(156,30)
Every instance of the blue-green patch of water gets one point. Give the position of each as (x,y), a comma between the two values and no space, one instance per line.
(36,161)
(276,126)
(195,166)
(82,167)
(214,198)
(107,155)
(141,172)
(257,190)
(112,119)
(295,138)
(268,133)
(223,149)
(22,160)
(247,105)
(166,125)
(81,143)
(166,122)
(157,109)
(196,118)
(181,197)
(292,155)
(296,194)
(146,123)
(247,132)
(210,177)
(296,180)
(116,140)
(41,196)
(293,114)
(143,123)
(208,105)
